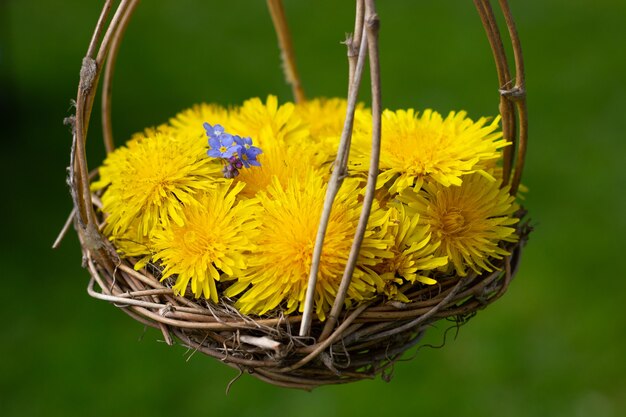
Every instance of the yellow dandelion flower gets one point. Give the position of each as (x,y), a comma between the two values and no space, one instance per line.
(268,123)
(284,139)
(469,220)
(149,182)
(415,148)
(148,133)
(325,119)
(131,243)
(281,163)
(412,249)
(189,122)
(279,269)
(211,244)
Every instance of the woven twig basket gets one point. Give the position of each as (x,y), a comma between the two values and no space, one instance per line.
(292,351)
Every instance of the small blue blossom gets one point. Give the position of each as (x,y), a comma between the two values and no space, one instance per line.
(247,152)
(213,131)
(222,145)
(236,152)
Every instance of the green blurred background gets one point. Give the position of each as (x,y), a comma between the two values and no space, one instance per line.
(553,346)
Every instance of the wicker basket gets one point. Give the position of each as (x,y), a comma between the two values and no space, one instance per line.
(292,351)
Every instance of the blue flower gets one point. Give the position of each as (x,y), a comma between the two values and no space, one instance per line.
(247,152)
(222,144)
(236,152)
(213,131)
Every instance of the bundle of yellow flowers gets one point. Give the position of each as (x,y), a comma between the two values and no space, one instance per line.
(224,204)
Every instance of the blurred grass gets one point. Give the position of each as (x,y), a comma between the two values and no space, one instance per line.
(552,346)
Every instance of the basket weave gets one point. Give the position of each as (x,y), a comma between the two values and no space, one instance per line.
(352,345)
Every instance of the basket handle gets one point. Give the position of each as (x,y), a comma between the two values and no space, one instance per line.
(90,72)
(512,98)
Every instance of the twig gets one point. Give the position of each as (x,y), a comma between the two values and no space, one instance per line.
(232,381)
(232,360)
(119,301)
(91,50)
(320,347)
(372,25)
(353,42)
(65,228)
(287,54)
(120,297)
(336,179)
(89,75)
(421,319)
(275,379)
(520,96)
(263,342)
(107,129)
(143,293)
(507,109)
